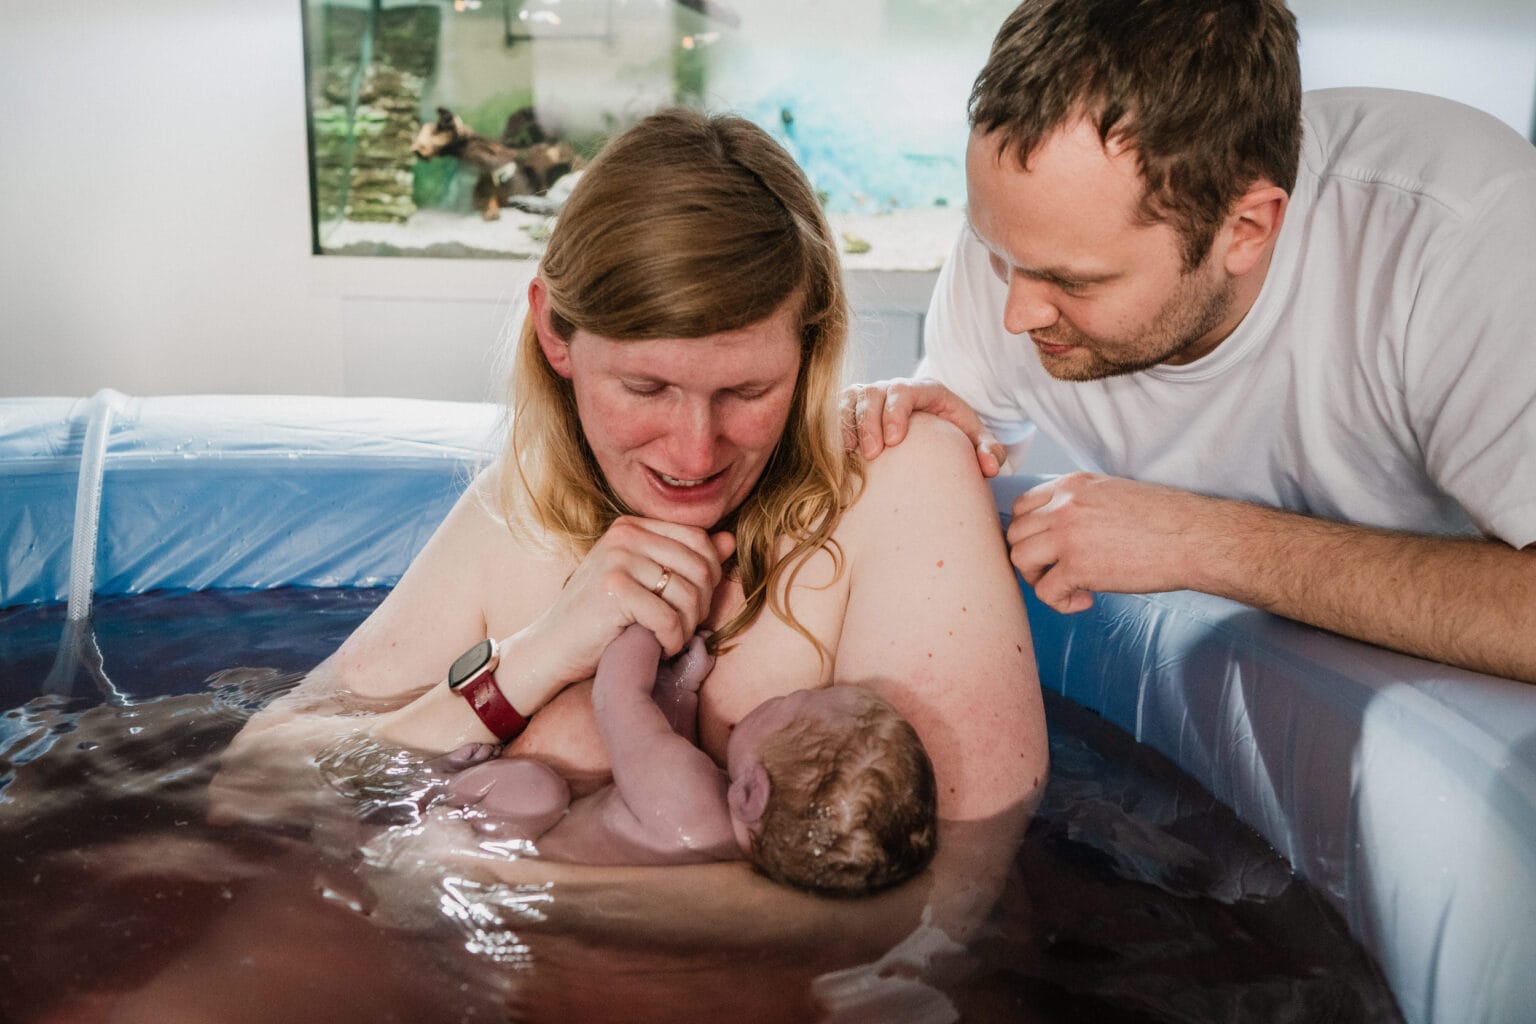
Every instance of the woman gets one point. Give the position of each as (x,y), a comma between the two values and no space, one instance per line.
(674,460)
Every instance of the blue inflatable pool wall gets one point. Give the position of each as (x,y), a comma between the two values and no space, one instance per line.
(227,492)
(1404,790)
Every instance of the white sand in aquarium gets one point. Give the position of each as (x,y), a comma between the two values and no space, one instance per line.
(898,239)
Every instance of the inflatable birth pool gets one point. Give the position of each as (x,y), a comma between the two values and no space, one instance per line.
(1404,790)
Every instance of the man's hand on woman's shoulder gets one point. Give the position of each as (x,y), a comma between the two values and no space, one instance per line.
(875,417)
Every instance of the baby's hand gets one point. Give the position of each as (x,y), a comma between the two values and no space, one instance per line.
(689,669)
(464,757)
(677,687)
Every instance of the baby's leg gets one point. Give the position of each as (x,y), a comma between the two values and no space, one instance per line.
(510,798)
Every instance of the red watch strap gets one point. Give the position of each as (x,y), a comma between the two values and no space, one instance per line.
(487,700)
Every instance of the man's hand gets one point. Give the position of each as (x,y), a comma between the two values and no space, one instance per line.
(875,417)
(1082,532)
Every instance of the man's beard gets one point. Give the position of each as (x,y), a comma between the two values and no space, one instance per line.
(1183,322)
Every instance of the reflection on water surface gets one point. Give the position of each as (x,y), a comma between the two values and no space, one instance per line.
(1134,896)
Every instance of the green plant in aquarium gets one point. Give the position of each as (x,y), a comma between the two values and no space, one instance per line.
(432,182)
(690,68)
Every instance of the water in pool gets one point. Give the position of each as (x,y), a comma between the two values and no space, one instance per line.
(1134,896)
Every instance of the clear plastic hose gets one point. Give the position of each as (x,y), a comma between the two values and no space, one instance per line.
(93,463)
(79,642)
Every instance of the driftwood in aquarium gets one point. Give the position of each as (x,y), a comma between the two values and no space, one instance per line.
(505,171)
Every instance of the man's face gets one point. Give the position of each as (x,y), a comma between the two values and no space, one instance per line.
(1098,292)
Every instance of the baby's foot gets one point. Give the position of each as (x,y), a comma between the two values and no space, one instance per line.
(511,798)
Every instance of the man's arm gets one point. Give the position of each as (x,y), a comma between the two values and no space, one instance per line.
(1464,602)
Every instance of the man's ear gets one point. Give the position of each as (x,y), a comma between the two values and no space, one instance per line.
(748,795)
(1252,226)
(557,351)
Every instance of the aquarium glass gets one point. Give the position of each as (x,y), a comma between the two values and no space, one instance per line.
(445,128)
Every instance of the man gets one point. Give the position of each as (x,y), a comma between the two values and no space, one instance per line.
(1290,339)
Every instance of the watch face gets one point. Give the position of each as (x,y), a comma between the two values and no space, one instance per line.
(468,664)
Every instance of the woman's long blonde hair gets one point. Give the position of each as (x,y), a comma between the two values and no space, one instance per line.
(685,226)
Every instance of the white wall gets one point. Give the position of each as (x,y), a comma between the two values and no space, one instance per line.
(156,220)
(1481,52)
(155,204)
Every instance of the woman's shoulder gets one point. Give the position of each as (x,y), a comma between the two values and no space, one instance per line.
(931,439)
(501,537)
(935,621)
(920,499)
(935,464)
(495,511)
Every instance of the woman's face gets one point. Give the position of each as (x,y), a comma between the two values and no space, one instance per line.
(682,427)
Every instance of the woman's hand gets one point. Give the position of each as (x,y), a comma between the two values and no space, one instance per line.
(660,575)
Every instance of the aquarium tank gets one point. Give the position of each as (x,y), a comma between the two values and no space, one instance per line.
(453,128)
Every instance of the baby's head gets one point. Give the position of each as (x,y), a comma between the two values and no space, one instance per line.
(831,791)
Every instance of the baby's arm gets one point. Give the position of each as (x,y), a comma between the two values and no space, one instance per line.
(671,788)
(521,798)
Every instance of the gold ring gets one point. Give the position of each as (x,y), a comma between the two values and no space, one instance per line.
(661,584)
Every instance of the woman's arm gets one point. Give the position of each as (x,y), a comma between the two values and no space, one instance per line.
(926,551)
(935,623)
(402,649)
(477,578)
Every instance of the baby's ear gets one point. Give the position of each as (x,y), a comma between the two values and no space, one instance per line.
(748,796)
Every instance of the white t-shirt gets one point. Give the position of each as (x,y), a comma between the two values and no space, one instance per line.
(1386,375)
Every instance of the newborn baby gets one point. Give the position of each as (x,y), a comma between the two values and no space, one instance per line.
(825,789)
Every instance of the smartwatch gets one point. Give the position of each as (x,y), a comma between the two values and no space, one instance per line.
(473,676)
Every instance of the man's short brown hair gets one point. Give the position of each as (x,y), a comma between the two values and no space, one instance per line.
(1208,92)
